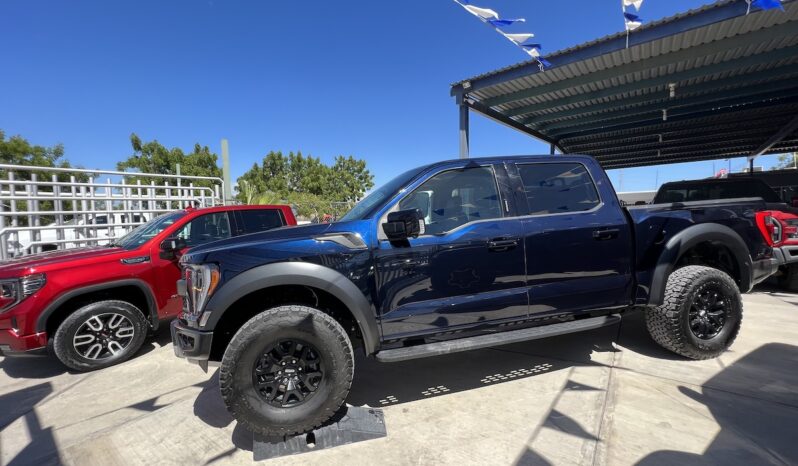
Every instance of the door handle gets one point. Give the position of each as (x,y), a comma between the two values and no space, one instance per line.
(610,233)
(502,244)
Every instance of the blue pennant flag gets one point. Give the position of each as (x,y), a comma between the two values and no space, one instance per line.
(631,17)
(768,4)
(532,46)
(505,22)
(545,63)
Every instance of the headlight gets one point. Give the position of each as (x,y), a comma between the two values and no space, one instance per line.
(201,281)
(14,291)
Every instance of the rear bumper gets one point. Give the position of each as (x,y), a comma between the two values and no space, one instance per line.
(12,344)
(786,254)
(765,268)
(191,344)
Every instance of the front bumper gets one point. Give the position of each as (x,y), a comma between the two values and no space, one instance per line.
(191,344)
(12,344)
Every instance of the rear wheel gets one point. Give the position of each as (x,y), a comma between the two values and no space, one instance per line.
(701,314)
(287,370)
(99,335)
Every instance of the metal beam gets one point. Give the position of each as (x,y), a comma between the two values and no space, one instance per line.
(731,66)
(717,99)
(691,53)
(743,120)
(499,118)
(648,33)
(677,113)
(785,131)
(717,85)
(752,125)
(688,120)
(464,131)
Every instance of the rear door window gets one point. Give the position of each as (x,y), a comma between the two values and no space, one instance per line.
(204,229)
(558,187)
(253,221)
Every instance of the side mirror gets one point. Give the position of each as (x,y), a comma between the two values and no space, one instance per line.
(170,248)
(404,224)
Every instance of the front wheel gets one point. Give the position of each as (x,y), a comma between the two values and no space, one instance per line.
(701,314)
(99,335)
(287,370)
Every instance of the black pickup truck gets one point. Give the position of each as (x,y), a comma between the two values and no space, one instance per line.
(454,256)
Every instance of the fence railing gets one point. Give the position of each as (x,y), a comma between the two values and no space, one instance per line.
(45,208)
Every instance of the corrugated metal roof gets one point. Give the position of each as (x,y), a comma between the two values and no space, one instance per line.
(726,69)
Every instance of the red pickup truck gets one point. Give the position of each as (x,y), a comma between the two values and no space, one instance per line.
(93,307)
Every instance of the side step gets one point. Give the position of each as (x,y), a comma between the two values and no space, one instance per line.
(495,339)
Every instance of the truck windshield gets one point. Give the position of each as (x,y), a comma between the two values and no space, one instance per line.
(366,207)
(143,233)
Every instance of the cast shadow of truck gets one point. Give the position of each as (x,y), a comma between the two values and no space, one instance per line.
(382,384)
(755,403)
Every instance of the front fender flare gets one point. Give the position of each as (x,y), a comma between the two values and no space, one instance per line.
(687,239)
(302,274)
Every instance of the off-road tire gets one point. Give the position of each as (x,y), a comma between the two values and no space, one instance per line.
(65,350)
(669,325)
(279,323)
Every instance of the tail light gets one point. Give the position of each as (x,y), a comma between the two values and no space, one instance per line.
(771,229)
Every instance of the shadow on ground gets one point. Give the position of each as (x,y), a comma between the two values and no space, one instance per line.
(48,366)
(383,384)
(752,430)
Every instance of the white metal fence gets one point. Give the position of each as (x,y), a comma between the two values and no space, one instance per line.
(76,207)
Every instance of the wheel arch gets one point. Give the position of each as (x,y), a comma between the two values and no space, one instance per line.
(718,236)
(301,274)
(70,296)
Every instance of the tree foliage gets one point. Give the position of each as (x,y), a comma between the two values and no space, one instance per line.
(153,157)
(315,188)
(788,160)
(16,150)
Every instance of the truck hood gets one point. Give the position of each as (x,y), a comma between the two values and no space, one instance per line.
(277,234)
(53,259)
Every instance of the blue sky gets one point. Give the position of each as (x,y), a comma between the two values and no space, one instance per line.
(363,78)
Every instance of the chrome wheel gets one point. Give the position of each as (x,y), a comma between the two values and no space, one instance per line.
(103,336)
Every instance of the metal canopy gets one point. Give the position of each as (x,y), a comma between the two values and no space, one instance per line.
(707,84)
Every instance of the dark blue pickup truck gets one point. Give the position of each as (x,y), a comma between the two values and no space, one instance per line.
(454,256)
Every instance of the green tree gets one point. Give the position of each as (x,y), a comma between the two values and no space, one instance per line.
(287,177)
(789,160)
(153,157)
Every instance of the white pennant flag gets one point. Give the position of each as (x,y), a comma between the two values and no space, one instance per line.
(519,38)
(636,3)
(483,13)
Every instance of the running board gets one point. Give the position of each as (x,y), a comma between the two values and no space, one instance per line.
(495,339)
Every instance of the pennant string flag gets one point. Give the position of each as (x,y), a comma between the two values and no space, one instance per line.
(631,20)
(491,18)
(635,3)
(764,5)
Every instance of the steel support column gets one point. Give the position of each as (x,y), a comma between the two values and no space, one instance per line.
(464,130)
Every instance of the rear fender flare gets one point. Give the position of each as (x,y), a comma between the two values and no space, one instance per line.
(302,274)
(687,239)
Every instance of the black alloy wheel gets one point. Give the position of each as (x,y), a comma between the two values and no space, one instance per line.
(288,373)
(708,311)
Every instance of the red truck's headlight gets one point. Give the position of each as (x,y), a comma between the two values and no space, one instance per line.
(14,291)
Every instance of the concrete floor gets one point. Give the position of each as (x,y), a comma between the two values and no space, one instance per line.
(609,396)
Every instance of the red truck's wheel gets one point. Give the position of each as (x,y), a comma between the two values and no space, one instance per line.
(99,335)
(701,314)
(287,370)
